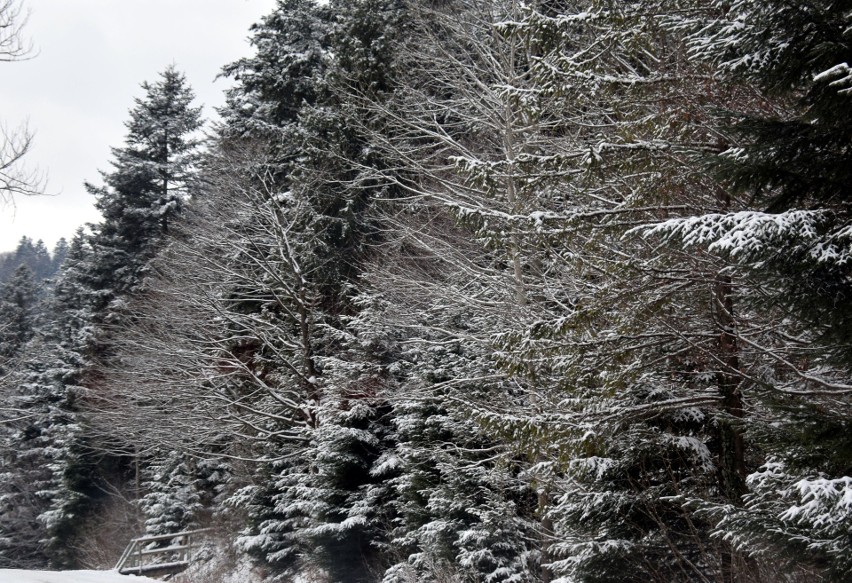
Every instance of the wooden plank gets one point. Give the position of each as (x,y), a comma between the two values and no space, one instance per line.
(132,560)
(163,568)
(166,550)
(159,537)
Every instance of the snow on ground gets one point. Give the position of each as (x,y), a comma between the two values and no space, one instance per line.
(13,576)
(219,568)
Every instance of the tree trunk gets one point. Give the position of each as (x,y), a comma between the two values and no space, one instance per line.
(732,468)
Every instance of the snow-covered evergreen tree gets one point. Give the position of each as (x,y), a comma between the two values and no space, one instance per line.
(147,186)
(282,77)
(18,299)
(172,501)
(471,291)
(143,193)
(33,255)
(47,476)
(788,251)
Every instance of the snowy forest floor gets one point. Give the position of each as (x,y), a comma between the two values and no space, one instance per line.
(15,576)
(217,568)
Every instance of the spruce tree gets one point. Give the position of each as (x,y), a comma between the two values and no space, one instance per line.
(60,252)
(281,78)
(142,195)
(793,160)
(295,95)
(18,299)
(42,264)
(46,489)
(793,163)
(147,187)
(33,255)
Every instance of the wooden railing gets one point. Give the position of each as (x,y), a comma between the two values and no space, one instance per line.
(143,557)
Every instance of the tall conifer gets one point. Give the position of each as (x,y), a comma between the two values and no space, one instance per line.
(147,186)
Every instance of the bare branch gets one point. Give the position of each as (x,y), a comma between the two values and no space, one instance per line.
(15,178)
(14,46)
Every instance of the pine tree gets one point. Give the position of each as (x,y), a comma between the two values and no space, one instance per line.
(147,186)
(793,161)
(33,255)
(60,251)
(52,436)
(43,265)
(21,473)
(172,501)
(143,194)
(317,234)
(282,77)
(23,254)
(788,251)
(46,486)
(18,299)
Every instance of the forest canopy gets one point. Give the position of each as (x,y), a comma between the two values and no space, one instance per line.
(469,291)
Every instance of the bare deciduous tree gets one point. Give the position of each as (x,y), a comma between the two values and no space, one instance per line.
(13,44)
(219,344)
(15,143)
(15,178)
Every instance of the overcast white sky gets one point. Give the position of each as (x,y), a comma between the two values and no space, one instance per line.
(76,92)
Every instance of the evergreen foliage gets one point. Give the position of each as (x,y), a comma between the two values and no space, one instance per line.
(58,375)
(18,298)
(147,186)
(44,437)
(35,256)
(487,291)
